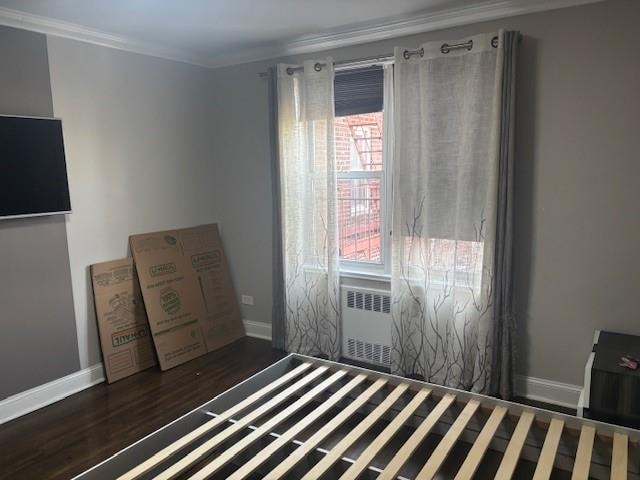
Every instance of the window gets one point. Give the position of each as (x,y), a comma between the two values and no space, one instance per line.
(362,173)
(360,178)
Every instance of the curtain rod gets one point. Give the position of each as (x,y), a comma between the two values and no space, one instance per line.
(407,54)
(341,65)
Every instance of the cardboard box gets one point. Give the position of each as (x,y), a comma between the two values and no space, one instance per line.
(187,287)
(203,246)
(122,322)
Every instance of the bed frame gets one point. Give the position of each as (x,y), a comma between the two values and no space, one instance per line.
(275,425)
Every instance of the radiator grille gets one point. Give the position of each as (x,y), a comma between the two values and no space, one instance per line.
(368,301)
(372,352)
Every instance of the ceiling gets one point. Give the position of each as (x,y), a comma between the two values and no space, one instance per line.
(215,31)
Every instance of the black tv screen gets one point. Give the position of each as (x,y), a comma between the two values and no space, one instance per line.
(33,178)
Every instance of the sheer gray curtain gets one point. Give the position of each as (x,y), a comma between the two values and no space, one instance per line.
(452,305)
(306,311)
(278,309)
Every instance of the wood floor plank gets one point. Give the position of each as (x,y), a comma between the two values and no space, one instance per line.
(402,456)
(182,442)
(196,454)
(620,457)
(441,452)
(263,455)
(270,425)
(583,453)
(303,450)
(385,436)
(549,449)
(338,451)
(68,437)
(512,453)
(475,455)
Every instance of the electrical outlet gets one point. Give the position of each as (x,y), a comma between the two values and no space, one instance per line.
(247,300)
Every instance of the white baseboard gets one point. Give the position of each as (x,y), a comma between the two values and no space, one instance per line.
(548,391)
(48,393)
(537,389)
(51,392)
(257,329)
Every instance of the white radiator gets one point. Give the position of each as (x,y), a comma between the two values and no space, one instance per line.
(366,325)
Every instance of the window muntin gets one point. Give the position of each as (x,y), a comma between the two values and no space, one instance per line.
(361,188)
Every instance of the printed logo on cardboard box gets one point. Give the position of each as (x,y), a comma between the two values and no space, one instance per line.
(170,301)
(127,336)
(205,259)
(162,269)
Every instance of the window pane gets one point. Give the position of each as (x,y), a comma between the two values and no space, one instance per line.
(359,220)
(359,142)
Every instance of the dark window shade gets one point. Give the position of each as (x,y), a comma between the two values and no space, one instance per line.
(359,91)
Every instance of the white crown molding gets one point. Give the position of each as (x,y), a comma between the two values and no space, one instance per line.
(59,28)
(395,28)
(353,35)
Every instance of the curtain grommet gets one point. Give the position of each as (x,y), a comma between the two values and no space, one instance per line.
(446,48)
(407,54)
(317,67)
(494,42)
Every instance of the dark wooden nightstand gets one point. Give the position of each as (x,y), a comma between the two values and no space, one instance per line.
(611,392)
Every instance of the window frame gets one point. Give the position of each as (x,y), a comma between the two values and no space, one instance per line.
(359,268)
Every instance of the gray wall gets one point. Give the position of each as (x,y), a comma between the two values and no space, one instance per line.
(140,156)
(577,227)
(38,340)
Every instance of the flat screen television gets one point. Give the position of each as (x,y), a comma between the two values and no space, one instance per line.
(33,171)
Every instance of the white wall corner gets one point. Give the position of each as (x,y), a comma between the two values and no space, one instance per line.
(38,397)
(548,391)
(257,329)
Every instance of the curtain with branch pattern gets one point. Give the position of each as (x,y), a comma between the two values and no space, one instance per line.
(453,114)
(308,201)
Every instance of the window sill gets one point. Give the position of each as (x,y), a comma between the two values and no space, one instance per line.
(364,275)
(357,274)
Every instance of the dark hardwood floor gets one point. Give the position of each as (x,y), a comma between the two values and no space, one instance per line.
(70,436)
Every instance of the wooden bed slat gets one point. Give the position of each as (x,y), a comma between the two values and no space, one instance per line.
(186,440)
(243,422)
(583,454)
(549,449)
(475,455)
(385,436)
(338,451)
(512,453)
(288,436)
(367,412)
(312,442)
(402,456)
(441,452)
(620,456)
(229,454)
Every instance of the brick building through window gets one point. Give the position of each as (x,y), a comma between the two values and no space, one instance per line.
(359,159)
